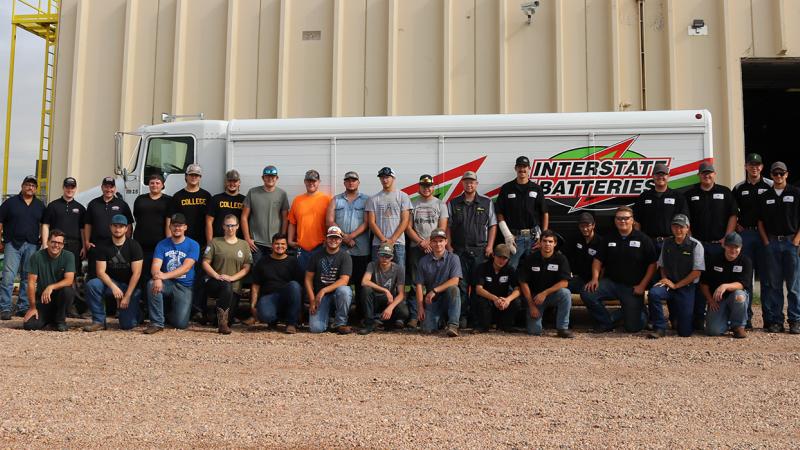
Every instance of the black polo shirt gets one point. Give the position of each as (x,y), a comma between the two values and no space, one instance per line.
(780,213)
(720,271)
(21,220)
(626,258)
(581,255)
(220,206)
(522,205)
(709,211)
(99,214)
(500,283)
(747,195)
(654,211)
(67,216)
(542,273)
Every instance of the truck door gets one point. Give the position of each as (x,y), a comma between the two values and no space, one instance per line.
(169,156)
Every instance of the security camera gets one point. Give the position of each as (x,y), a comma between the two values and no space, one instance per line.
(529,9)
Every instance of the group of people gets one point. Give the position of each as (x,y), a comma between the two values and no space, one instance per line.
(696,251)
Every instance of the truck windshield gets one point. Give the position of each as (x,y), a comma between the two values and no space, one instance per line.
(166,155)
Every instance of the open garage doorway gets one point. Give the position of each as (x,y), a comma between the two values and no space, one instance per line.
(771,110)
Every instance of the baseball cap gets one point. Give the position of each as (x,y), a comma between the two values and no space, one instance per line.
(585,218)
(178,218)
(334,231)
(426,180)
(502,250)
(706,166)
(194,169)
(733,239)
(438,233)
(351,175)
(680,219)
(523,161)
(660,168)
(469,175)
(108,181)
(232,175)
(753,158)
(312,175)
(778,165)
(70,181)
(385,250)
(387,172)
(119,219)
(270,170)
(31,179)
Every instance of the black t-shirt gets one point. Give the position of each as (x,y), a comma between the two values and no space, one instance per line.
(581,255)
(151,216)
(66,216)
(542,273)
(719,270)
(780,213)
(626,258)
(500,283)
(220,206)
(522,205)
(747,196)
(273,274)
(709,211)
(654,211)
(119,258)
(99,214)
(193,205)
(329,268)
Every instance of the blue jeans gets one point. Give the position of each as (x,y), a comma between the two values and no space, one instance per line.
(15,259)
(782,266)
(304,257)
(287,300)
(181,304)
(471,258)
(754,249)
(342,297)
(96,290)
(709,251)
(681,307)
(561,300)
(632,305)
(733,309)
(524,244)
(447,302)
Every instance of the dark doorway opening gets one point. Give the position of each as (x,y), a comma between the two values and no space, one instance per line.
(771,106)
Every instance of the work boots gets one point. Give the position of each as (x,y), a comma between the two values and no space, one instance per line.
(222,321)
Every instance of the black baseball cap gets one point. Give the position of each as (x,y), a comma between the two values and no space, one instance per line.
(753,158)
(108,181)
(31,179)
(585,218)
(386,172)
(178,218)
(660,168)
(706,166)
(523,161)
(70,182)
(426,180)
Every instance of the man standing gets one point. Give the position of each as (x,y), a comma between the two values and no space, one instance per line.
(496,292)
(99,212)
(388,214)
(654,208)
(779,228)
(119,267)
(226,261)
(628,261)
(68,215)
(383,290)
(436,286)
(543,279)
(583,252)
(264,213)
(50,273)
(276,286)
(20,223)
(228,202)
(725,285)
(150,212)
(471,234)
(327,281)
(713,210)
(172,276)
(307,219)
(521,212)
(681,262)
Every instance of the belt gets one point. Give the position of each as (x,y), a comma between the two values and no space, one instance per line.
(523,232)
(711,242)
(787,237)
(753,228)
(661,238)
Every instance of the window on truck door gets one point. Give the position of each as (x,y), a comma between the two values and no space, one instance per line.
(167,155)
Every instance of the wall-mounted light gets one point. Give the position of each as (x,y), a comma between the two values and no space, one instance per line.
(698,28)
(529,9)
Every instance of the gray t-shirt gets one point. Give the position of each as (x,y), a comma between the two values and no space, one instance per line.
(426,214)
(265,213)
(390,279)
(432,272)
(387,207)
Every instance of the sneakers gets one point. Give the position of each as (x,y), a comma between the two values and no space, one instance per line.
(152,329)
(452,331)
(21,313)
(749,325)
(602,330)
(344,329)
(657,334)
(62,327)
(94,327)
(291,329)
(413,323)
(5,315)
(399,325)
(774,328)
(462,323)
(794,328)
(366,330)
(566,334)
(739,333)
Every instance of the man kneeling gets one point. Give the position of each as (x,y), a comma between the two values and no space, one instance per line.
(438,274)
(328,281)
(50,275)
(497,292)
(725,285)
(383,288)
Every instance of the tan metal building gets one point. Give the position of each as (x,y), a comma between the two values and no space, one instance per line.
(124,62)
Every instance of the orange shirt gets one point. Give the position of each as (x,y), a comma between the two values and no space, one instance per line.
(308,215)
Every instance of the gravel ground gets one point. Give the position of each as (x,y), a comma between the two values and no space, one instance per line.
(195,388)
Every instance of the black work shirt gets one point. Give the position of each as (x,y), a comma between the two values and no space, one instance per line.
(193,205)
(720,271)
(780,213)
(119,258)
(522,205)
(747,195)
(151,217)
(709,211)
(626,258)
(470,221)
(67,216)
(272,274)
(500,283)
(654,211)
(541,273)
(21,220)
(220,206)
(582,254)
(99,214)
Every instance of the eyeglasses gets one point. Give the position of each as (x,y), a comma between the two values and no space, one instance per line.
(57,243)
(623,218)
(779,174)
(231,225)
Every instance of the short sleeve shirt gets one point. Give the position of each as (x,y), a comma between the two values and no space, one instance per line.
(21,220)
(349,215)
(390,279)
(541,273)
(747,196)
(388,207)
(220,206)
(581,255)
(709,211)
(118,259)
(172,256)
(99,214)
(67,216)
(626,258)
(499,283)
(522,205)
(151,217)
(49,270)
(432,272)
(193,205)
(266,213)
(654,211)
(719,271)
(228,259)
(272,275)
(307,214)
(329,268)
(780,212)
(426,214)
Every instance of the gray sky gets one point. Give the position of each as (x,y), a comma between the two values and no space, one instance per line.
(27,99)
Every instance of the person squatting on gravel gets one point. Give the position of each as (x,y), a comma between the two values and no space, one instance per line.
(436,286)
(327,281)
(725,285)
(496,297)
(383,290)
(276,286)
(51,272)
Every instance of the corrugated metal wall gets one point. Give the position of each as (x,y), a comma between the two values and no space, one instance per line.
(124,62)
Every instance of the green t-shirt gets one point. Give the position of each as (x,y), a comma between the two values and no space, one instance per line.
(49,270)
(227,259)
